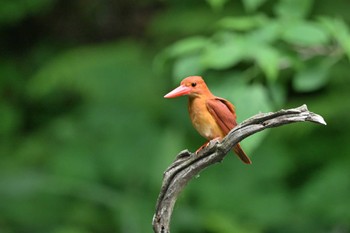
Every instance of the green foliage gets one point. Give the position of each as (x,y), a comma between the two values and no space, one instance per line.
(217,4)
(314,75)
(12,11)
(293,9)
(302,33)
(86,135)
(340,31)
(253,5)
(267,45)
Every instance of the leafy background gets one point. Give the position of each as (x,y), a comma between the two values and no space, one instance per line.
(86,134)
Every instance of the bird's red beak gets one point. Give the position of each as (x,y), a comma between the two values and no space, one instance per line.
(179,91)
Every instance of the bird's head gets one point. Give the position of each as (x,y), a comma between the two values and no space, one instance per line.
(192,86)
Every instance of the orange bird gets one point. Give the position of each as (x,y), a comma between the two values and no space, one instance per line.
(213,117)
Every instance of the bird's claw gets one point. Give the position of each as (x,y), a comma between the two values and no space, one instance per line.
(211,142)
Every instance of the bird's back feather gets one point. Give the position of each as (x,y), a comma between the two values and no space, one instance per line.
(224,114)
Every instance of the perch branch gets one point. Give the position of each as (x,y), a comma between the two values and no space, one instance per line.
(187,164)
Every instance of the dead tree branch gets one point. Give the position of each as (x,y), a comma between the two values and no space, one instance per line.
(187,164)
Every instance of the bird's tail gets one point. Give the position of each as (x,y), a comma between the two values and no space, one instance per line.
(239,151)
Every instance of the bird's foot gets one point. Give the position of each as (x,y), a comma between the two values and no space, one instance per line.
(202,147)
(213,141)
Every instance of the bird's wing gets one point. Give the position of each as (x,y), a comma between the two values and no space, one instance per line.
(225,116)
(223,113)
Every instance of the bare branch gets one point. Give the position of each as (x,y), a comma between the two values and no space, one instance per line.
(187,164)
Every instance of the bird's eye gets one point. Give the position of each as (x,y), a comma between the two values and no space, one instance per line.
(193,84)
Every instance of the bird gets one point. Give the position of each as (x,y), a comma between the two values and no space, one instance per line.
(213,117)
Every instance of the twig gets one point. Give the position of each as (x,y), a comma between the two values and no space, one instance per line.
(187,164)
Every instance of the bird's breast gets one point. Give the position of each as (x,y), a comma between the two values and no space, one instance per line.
(203,121)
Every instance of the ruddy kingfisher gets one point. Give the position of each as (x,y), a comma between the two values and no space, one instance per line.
(213,117)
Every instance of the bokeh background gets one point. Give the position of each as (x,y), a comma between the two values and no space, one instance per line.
(85,133)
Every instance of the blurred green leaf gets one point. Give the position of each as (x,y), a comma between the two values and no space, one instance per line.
(340,31)
(190,47)
(278,94)
(305,34)
(178,22)
(224,54)
(253,5)
(293,9)
(268,60)
(186,46)
(217,5)
(187,66)
(314,75)
(268,33)
(243,23)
